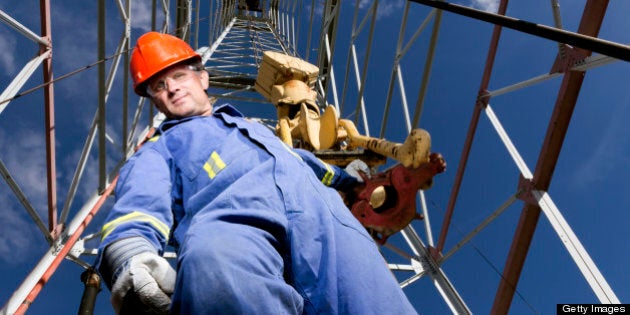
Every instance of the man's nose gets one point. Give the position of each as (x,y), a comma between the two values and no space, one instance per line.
(171,84)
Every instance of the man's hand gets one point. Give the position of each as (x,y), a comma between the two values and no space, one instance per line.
(356,169)
(151,279)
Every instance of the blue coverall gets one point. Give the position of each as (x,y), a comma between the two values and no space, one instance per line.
(255,228)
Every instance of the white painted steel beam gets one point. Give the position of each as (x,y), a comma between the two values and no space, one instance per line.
(582,259)
(22,29)
(20,294)
(439,278)
(14,87)
(589,270)
(24,201)
(480,227)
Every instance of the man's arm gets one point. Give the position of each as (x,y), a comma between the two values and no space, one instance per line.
(136,232)
(333,176)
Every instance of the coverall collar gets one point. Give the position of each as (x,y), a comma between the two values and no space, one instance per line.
(223,108)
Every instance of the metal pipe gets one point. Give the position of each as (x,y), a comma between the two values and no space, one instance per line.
(524,84)
(35,281)
(427,222)
(509,145)
(208,53)
(310,31)
(591,21)
(403,100)
(587,64)
(14,87)
(353,36)
(595,44)
(27,205)
(362,78)
(427,69)
(78,173)
(431,267)
(114,67)
(101,124)
(331,72)
(392,78)
(298,28)
(580,256)
(472,128)
(197,15)
(92,287)
(44,6)
(479,227)
(22,29)
(402,52)
(126,61)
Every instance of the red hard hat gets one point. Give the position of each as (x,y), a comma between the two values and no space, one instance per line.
(155,52)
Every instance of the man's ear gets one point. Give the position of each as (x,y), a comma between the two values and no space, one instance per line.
(205,79)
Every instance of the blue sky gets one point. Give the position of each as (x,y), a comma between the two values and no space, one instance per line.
(589,184)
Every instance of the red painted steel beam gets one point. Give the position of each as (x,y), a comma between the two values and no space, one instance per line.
(49,104)
(481,103)
(592,18)
(65,249)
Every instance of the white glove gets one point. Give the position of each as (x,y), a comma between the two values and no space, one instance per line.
(355,166)
(151,278)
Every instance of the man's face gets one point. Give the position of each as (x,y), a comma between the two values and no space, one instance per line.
(180,92)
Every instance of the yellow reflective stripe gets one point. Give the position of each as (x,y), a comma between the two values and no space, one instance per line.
(290,150)
(154,138)
(330,173)
(214,165)
(139,217)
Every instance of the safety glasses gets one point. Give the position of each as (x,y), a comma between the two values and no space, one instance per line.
(177,76)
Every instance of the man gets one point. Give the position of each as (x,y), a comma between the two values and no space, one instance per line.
(255,228)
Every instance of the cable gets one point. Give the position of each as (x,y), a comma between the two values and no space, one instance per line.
(487,260)
(33,89)
(71,73)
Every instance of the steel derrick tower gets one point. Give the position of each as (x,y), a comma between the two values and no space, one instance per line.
(371,77)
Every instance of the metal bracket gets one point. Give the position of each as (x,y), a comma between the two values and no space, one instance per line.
(525,188)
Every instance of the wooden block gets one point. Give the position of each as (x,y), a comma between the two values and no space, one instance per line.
(277,68)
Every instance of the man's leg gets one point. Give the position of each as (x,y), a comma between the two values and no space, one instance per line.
(231,268)
(337,266)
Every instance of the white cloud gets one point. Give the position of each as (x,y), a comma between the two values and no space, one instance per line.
(7,53)
(491,6)
(141,14)
(610,154)
(74,52)
(364,4)
(19,235)
(319,8)
(89,179)
(26,158)
(385,8)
